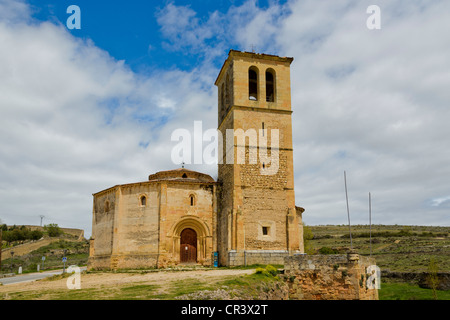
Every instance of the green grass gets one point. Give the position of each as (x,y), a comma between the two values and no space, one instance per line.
(186,287)
(77,254)
(138,292)
(407,291)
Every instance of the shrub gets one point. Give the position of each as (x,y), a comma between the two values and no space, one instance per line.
(307,237)
(327,250)
(53,230)
(261,271)
(272,270)
(36,235)
(269,271)
(20,234)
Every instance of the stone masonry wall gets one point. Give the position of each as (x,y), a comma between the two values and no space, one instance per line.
(249,257)
(257,202)
(328,277)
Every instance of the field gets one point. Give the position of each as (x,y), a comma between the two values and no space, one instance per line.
(408,291)
(395,248)
(77,253)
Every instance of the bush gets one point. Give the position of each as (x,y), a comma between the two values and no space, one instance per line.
(36,235)
(260,271)
(327,250)
(272,270)
(307,237)
(269,270)
(53,230)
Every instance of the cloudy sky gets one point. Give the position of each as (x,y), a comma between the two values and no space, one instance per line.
(83,110)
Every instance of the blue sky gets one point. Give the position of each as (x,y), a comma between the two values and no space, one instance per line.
(83,110)
(127,31)
(130,30)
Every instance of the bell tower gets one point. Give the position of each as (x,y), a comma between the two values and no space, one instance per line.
(258,221)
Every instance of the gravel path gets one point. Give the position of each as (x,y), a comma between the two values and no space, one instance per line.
(96,280)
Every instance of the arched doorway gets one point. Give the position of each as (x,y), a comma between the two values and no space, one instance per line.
(203,240)
(188,246)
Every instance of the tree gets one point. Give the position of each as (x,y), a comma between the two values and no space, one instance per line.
(18,235)
(432,277)
(36,234)
(53,230)
(7,237)
(26,233)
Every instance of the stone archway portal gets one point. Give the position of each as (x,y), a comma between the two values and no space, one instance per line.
(188,246)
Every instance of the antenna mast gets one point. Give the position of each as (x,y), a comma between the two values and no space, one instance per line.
(348,211)
(370,224)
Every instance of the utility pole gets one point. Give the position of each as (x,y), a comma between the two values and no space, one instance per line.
(1,245)
(12,260)
(370,224)
(348,212)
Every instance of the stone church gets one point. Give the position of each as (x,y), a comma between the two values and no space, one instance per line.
(182,216)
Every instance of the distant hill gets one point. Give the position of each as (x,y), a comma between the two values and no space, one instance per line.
(395,247)
(69,234)
(53,249)
(79,233)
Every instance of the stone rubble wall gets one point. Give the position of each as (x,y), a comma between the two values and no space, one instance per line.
(328,277)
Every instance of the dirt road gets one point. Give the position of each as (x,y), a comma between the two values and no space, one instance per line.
(96,280)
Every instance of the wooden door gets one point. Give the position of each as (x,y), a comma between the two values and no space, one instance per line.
(188,246)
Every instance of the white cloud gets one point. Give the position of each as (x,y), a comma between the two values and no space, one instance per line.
(13,11)
(388,112)
(74,120)
(372,102)
(443,201)
(182,28)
